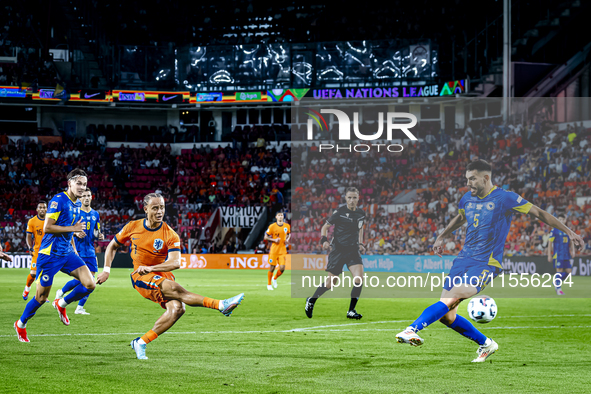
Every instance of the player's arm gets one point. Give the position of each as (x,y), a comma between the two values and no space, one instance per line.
(4,256)
(74,245)
(571,246)
(101,236)
(268,238)
(550,220)
(29,240)
(323,235)
(172,263)
(109,256)
(550,249)
(361,244)
(455,224)
(51,228)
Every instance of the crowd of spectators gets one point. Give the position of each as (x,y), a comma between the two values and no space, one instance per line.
(194,183)
(549,168)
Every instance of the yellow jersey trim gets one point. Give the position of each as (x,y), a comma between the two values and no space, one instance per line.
(525,208)
(66,193)
(490,191)
(462,212)
(54,215)
(47,250)
(494,262)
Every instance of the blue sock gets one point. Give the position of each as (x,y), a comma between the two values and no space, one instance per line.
(70,285)
(467,329)
(30,310)
(430,315)
(76,294)
(83,300)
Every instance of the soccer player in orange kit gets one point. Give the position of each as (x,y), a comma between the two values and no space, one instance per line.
(278,233)
(155,251)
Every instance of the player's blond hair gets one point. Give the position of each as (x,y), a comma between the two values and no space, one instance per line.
(150,196)
(352,190)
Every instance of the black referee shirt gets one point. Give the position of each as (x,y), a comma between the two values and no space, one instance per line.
(347,225)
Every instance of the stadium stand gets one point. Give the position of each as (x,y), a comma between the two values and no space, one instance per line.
(194,182)
(547,167)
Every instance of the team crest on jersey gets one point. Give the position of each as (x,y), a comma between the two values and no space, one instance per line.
(45,278)
(156,277)
(360,223)
(158,244)
(490,206)
(285,230)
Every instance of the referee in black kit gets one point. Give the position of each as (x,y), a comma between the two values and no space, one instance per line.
(345,249)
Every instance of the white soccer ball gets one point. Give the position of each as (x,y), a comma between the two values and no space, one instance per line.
(482,309)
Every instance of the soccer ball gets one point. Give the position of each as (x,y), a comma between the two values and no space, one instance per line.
(482,309)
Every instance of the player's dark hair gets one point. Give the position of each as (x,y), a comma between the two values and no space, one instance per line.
(76,173)
(87,190)
(151,196)
(352,190)
(562,215)
(479,165)
(279,212)
(42,202)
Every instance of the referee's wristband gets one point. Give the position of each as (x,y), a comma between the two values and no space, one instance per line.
(323,239)
(107,269)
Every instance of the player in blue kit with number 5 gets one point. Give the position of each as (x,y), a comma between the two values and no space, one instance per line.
(488,211)
(560,250)
(85,247)
(58,253)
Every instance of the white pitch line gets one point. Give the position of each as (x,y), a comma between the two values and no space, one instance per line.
(284,331)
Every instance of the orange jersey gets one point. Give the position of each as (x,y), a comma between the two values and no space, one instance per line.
(35,228)
(281,232)
(148,246)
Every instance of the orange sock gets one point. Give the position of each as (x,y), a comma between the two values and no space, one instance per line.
(278,274)
(30,280)
(211,303)
(149,336)
(269,277)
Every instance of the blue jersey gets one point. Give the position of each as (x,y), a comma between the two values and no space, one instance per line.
(560,244)
(85,246)
(489,221)
(65,212)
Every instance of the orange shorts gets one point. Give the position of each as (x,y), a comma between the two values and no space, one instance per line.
(148,286)
(275,259)
(34,263)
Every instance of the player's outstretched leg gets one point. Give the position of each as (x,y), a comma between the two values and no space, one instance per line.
(173,291)
(174,310)
(30,309)
(270,278)
(85,287)
(461,325)
(429,316)
(30,280)
(59,294)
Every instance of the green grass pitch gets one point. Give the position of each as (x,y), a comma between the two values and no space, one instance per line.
(269,346)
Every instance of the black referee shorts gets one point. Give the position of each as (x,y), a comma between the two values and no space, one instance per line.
(341,255)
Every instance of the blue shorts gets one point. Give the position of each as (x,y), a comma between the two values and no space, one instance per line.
(563,263)
(467,271)
(91,263)
(48,266)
